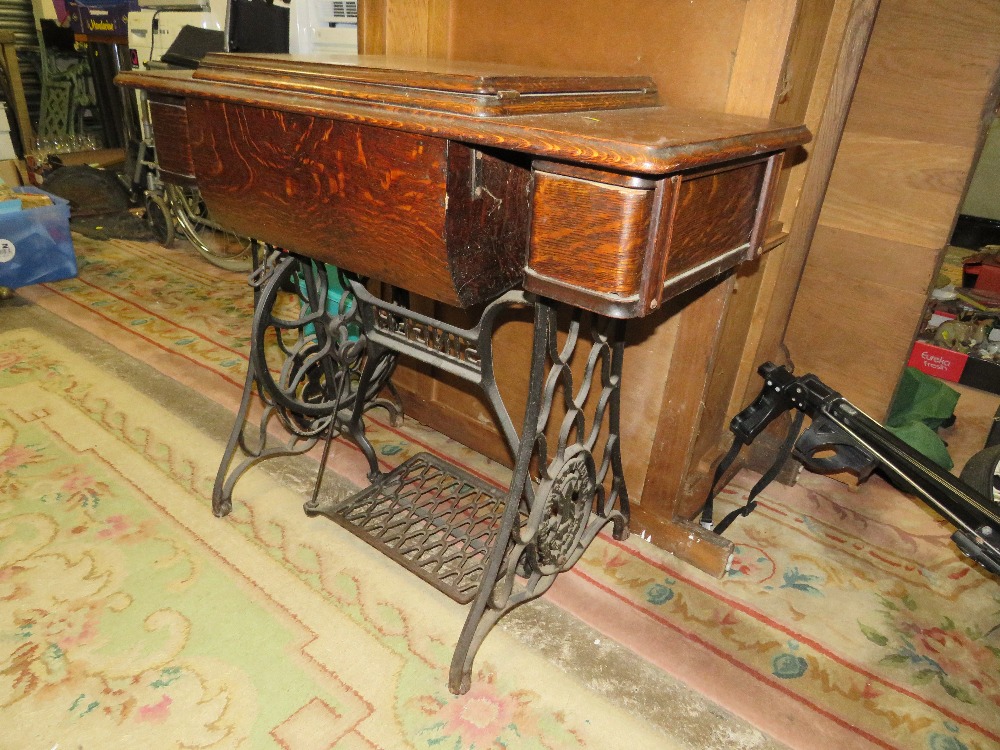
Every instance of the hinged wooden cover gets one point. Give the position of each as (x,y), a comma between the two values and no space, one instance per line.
(461,88)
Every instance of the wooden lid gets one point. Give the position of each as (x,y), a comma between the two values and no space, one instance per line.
(484,90)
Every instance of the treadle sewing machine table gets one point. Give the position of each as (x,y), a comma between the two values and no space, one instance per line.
(492,187)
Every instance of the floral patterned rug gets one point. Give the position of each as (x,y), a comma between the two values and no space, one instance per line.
(130,617)
(848,620)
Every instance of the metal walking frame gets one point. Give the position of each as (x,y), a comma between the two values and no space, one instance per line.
(318,372)
(170,207)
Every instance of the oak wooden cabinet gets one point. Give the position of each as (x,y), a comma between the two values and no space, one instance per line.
(690,364)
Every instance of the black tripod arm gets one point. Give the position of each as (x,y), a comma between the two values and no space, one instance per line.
(976,518)
(843,438)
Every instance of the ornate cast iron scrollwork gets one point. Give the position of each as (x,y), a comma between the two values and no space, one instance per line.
(310,367)
(318,371)
(554,514)
(563,508)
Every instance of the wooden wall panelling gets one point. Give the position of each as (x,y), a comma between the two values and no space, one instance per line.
(718,55)
(407,28)
(829,287)
(828,101)
(687,48)
(371,27)
(910,141)
(811,62)
(897,188)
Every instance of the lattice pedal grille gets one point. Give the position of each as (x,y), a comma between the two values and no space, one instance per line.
(432,517)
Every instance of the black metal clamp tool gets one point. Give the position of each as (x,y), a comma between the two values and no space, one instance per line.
(843,438)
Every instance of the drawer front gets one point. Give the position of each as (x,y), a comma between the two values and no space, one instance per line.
(170,130)
(588,236)
(366,199)
(715,212)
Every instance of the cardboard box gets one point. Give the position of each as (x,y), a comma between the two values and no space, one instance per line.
(11,173)
(955,366)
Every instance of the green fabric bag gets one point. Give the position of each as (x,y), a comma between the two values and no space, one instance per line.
(921,406)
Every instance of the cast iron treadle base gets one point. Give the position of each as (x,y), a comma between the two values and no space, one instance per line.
(431,517)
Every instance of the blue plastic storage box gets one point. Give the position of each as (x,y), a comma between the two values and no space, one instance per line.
(35,243)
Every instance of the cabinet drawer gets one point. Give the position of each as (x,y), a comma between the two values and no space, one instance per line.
(414,211)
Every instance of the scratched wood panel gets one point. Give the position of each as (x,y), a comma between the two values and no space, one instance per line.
(700,315)
(170,125)
(487,221)
(328,189)
(589,234)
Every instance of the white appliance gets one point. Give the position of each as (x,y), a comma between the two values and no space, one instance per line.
(320,27)
(314,27)
(151,32)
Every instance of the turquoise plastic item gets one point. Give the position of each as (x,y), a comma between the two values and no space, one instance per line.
(334,293)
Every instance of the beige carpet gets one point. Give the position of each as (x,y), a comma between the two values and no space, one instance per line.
(849,619)
(134,618)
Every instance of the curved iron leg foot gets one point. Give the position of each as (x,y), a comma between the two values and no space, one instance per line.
(222,491)
(555,510)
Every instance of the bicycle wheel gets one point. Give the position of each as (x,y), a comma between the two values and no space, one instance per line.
(219,246)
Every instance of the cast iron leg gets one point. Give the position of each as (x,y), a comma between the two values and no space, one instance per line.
(551,518)
(310,368)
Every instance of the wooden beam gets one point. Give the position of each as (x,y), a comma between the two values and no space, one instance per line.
(8,59)
(773,321)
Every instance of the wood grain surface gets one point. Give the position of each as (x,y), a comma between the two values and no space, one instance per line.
(487,221)
(915,127)
(643,140)
(588,234)
(421,75)
(170,128)
(332,190)
(715,212)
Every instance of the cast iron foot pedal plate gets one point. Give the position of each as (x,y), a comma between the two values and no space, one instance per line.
(431,517)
